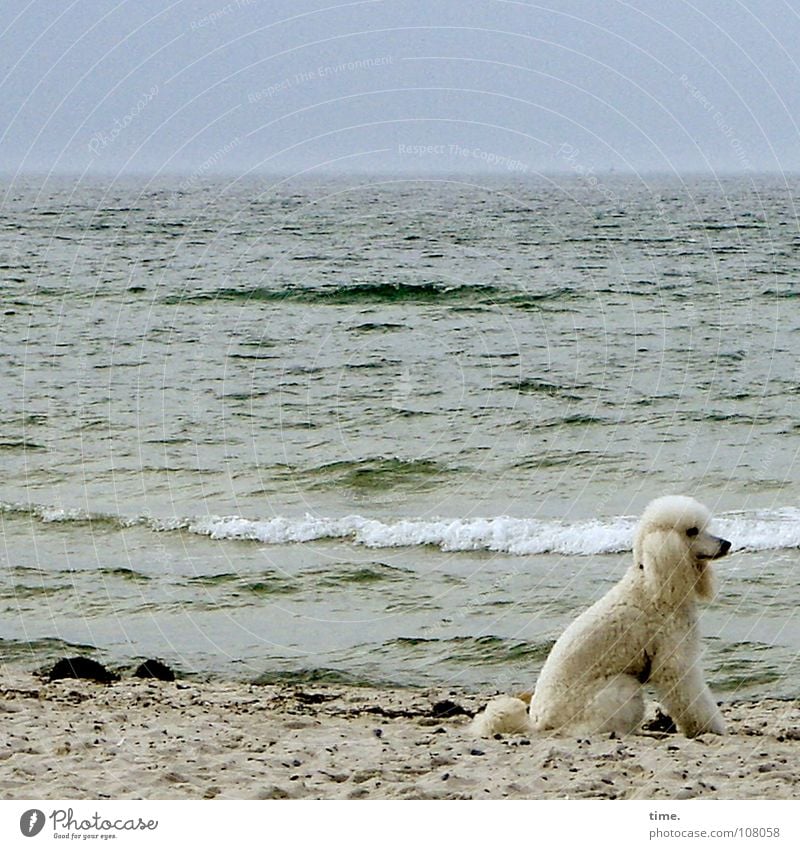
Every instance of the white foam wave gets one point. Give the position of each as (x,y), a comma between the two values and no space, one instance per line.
(761,531)
(502,534)
(754,532)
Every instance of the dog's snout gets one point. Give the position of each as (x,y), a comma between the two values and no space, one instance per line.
(723,547)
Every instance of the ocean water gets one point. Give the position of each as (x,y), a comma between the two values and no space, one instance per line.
(390,430)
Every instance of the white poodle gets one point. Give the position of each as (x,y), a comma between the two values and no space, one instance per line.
(643,631)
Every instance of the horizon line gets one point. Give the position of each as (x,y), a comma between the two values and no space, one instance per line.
(515,176)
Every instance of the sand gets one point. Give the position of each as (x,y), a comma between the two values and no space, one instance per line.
(139,739)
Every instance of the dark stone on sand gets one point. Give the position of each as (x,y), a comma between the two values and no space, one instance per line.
(445,709)
(154,669)
(82,667)
(661,722)
(313,698)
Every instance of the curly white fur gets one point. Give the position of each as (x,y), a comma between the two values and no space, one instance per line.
(643,631)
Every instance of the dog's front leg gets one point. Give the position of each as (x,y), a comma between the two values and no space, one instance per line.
(684,694)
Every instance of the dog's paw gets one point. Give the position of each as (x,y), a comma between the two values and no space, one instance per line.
(714,725)
(503,715)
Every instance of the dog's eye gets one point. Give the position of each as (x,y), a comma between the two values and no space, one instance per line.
(692,532)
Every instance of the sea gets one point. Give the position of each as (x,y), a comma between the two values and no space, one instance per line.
(390,430)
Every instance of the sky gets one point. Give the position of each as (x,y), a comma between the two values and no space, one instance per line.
(203,87)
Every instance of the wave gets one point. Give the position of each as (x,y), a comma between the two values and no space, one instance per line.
(371,473)
(385,293)
(48,514)
(749,531)
(381,293)
(498,534)
(754,531)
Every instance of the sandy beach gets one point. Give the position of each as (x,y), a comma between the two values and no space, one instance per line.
(144,739)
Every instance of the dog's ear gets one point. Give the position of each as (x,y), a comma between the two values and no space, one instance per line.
(670,570)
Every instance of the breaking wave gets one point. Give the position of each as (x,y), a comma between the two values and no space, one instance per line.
(752,530)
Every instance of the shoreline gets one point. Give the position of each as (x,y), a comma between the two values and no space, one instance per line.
(189,739)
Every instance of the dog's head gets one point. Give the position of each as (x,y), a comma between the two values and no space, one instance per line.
(673,549)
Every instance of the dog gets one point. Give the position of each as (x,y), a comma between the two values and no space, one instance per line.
(643,631)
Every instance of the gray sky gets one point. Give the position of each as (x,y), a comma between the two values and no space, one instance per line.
(205,86)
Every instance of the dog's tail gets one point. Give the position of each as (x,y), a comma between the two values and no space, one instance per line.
(503,715)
